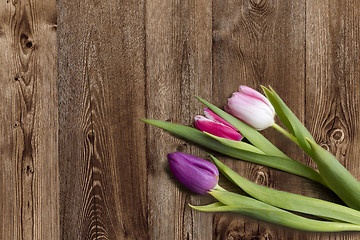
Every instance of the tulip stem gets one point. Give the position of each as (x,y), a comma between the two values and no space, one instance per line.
(217,187)
(285,133)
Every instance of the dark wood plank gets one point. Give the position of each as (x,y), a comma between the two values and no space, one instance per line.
(332,83)
(102,142)
(178,64)
(260,42)
(28,123)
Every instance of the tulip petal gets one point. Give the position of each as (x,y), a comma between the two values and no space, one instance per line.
(194,173)
(255,94)
(212,116)
(218,129)
(251,110)
(201,163)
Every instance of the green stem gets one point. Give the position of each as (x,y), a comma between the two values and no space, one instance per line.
(219,188)
(285,133)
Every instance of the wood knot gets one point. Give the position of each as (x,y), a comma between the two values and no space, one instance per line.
(337,135)
(181,147)
(259,5)
(325,146)
(261,176)
(90,137)
(26,43)
(29,170)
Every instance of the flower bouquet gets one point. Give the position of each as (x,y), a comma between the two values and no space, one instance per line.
(246,113)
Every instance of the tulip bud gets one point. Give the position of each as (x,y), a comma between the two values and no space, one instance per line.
(196,174)
(217,126)
(251,107)
(214,117)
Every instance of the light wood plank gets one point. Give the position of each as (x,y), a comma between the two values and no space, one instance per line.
(29,121)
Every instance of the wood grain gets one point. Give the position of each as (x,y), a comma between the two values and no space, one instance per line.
(332,77)
(260,42)
(77,163)
(29,121)
(102,142)
(178,66)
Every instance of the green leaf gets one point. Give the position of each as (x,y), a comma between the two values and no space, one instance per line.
(212,207)
(289,119)
(278,109)
(290,201)
(336,176)
(198,137)
(236,144)
(256,138)
(268,213)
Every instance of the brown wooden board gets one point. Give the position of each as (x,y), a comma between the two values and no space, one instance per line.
(76,77)
(29,181)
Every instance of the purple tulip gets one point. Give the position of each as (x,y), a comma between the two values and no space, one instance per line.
(251,107)
(196,174)
(217,126)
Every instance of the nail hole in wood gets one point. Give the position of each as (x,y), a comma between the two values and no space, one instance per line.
(29,170)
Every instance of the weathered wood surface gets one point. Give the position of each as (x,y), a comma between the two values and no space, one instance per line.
(29,181)
(78,164)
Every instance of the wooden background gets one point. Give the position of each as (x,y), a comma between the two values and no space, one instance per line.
(76,76)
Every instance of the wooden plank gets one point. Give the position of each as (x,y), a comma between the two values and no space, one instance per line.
(102,142)
(178,64)
(28,122)
(260,42)
(332,82)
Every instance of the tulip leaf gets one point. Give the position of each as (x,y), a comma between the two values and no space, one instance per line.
(336,176)
(265,212)
(278,109)
(288,118)
(284,164)
(236,144)
(290,201)
(212,207)
(256,138)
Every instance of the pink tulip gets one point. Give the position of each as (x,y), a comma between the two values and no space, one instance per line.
(217,126)
(251,107)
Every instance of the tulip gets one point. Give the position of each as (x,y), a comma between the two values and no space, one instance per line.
(214,117)
(251,107)
(217,126)
(198,175)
